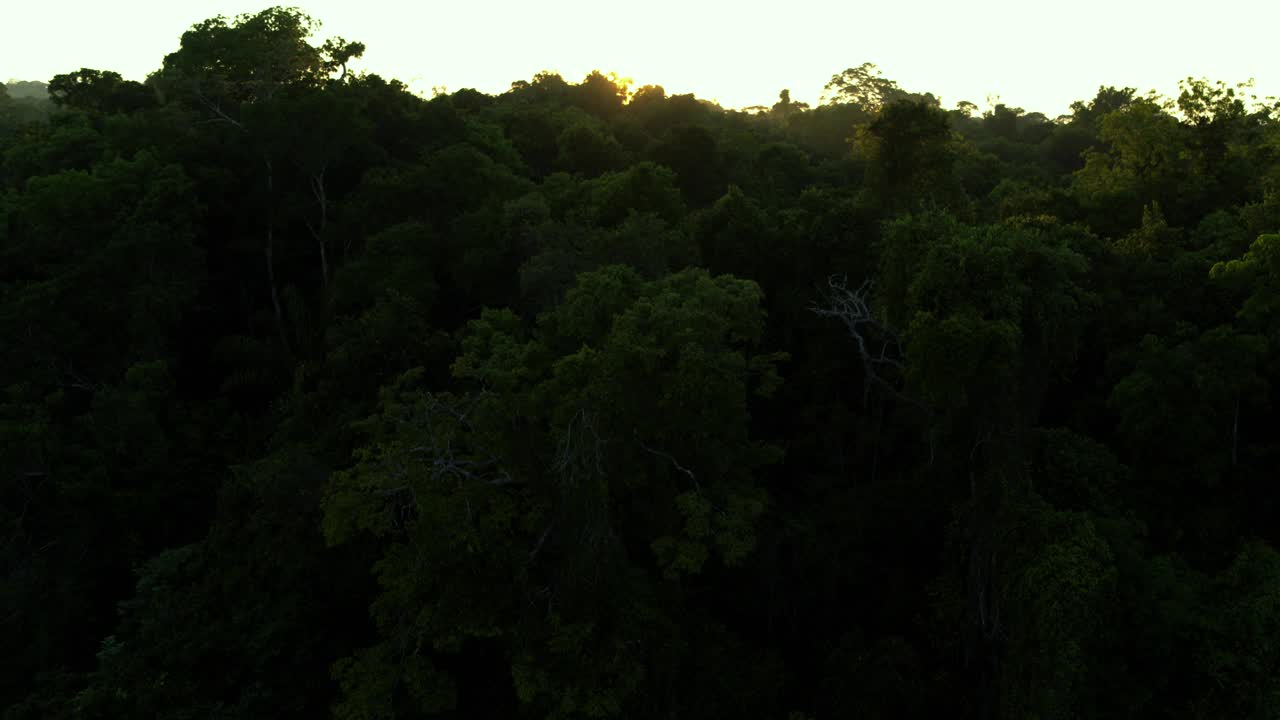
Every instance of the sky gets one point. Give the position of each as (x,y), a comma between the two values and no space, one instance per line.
(1038,56)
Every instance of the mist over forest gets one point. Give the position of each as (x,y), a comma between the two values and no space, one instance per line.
(321,398)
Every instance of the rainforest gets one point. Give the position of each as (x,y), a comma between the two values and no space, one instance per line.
(322,398)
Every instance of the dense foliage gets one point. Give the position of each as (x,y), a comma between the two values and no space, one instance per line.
(586,401)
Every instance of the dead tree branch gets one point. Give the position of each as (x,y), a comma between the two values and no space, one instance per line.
(667,456)
(878,346)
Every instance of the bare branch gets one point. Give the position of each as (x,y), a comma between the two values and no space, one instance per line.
(322,200)
(436,461)
(571,458)
(542,539)
(667,456)
(216,109)
(881,366)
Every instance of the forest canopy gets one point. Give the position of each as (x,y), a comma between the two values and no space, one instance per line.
(583,400)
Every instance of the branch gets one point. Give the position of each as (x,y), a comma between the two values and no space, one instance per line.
(667,456)
(570,456)
(542,539)
(436,459)
(216,109)
(852,308)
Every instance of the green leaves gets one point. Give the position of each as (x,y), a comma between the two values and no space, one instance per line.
(223,64)
(1257,272)
(1241,660)
(98,91)
(321,396)
(1055,607)
(961,360)
(1180,407)
(991,312)
(588,149)
(863,86)
(619,422)
(911,154)
(80,234)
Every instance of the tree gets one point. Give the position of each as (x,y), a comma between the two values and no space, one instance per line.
(588,149)
(100,268)
(98,91)
(223,65)
(693,153)
(1144,162)
(910,154)
(537,549)
(237,73)
(602,95)
(1108,100)
(1258,272)
(863,86)
(785,107)
(260,575)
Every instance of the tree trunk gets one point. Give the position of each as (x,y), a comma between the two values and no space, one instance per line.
(1235,434)
(317,189)
(270,257)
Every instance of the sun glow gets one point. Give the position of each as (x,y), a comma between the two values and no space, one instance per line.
(734,53)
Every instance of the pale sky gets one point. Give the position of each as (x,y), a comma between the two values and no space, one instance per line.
(1036,55)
